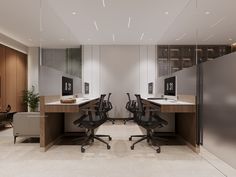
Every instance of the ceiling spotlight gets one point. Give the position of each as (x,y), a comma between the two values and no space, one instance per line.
(141,38)
(207,12)
(166,12)
(74,13)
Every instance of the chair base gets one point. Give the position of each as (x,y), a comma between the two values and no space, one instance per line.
(123,119)
(90,138)
(150,140)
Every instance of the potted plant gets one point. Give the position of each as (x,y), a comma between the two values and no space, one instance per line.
(31,99)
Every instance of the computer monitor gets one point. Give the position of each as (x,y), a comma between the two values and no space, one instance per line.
(170,86)
(67,86)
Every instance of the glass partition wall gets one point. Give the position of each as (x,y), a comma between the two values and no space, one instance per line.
(216,55)
(60,51)
(197,47)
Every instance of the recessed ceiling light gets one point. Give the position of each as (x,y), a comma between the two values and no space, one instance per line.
(129,22)
(74,13)
(96,26)
(230,39)
(166,12)
(103,3)
(207,12)
(141,38)
(113,37)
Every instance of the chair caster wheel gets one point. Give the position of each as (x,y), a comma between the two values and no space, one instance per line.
(82,150)
(158,150)
(124,122)
(132,147)
(110,138)
(130,138)
(113,122)
(108,147)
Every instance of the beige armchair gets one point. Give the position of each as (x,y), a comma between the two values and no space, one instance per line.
(26,124)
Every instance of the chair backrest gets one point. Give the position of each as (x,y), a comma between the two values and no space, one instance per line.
(108,98)
(128,97)
(140,104)
(101,101)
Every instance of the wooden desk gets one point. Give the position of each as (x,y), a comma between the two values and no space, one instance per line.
(52,117)
(185,115)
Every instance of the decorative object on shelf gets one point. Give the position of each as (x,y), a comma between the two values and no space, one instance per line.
(31,99)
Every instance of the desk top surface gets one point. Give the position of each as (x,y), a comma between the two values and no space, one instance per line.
(78,102)
(169,102)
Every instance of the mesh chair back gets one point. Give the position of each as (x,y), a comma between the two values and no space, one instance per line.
(100,104)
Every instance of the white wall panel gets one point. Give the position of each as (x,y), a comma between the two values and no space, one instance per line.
(119,69)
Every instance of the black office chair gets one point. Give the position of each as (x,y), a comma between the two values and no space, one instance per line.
(146,119)
(91,120)
(131,107)
(108,107)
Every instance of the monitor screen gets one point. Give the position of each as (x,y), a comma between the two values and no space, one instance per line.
(170,86)
(67,86)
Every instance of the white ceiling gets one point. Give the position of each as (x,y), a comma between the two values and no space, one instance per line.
(185,23)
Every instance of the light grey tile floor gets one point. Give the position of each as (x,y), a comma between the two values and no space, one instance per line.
(28,160)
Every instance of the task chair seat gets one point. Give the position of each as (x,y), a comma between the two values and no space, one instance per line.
(91,120)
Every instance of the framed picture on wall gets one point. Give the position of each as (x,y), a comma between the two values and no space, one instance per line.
(86,88)
(150,88)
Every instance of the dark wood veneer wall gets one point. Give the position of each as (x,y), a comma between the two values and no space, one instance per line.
(13,78)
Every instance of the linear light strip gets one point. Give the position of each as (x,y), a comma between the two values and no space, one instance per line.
(103,3)
(96,26)
(182,36)
(129,22)
(141,38)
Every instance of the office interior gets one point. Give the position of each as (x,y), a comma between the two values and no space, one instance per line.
(131,88)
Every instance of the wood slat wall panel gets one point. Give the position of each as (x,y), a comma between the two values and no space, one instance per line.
(21,81)
(2,78)
(11,59)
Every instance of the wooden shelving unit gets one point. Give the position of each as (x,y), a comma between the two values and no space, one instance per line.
(172,58)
